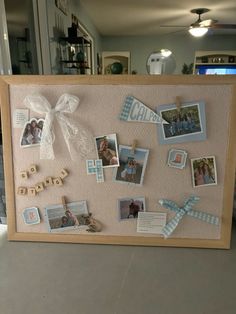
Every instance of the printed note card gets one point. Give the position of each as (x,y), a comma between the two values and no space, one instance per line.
(151,222)
(21,116)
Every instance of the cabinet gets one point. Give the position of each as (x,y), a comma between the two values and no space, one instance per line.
(75,55)
(213,60)
(115,62)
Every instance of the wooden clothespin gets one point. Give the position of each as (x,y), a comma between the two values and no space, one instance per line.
(63,200)
(178,103)
(134,144)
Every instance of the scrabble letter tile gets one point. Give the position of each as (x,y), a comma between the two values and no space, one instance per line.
(58,181)
(63,173)
(48,181)
(39,187)
(24,174)
(31,191)
(21,190)
(33,169)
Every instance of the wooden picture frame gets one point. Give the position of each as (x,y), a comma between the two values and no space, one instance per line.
(219,93)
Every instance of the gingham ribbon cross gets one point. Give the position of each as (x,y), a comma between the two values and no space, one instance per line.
(95,167)
(185,210)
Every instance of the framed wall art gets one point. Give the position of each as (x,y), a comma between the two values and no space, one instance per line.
(95,178)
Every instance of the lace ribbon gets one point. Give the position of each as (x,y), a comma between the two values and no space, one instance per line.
(77,138)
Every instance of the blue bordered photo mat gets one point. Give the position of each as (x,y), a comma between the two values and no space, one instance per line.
(186,136)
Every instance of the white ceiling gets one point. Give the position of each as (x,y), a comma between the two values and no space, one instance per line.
(144,17)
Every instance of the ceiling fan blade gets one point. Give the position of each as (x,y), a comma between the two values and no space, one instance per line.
(207,23)
(175,26)
(223,26)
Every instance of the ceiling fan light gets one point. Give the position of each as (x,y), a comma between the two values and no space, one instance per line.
(198,31)
(166,53)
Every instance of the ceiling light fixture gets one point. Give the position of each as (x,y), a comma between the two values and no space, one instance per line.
(165,53)
(198,31)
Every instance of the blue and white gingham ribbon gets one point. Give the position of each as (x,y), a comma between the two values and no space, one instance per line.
(126,108)
(95,167)
(185,210)
(136,111)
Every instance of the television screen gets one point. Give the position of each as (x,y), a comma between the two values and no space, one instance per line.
(215,69)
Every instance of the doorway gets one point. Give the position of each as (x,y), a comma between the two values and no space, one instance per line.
(21,35)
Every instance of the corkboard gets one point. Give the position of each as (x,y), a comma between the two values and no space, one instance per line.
(101,99)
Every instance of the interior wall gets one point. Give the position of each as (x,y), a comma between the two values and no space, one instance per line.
(183,47)
(58,24)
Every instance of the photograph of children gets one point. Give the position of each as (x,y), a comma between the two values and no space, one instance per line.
(60,220)
(32,133)
(186,123)
(107,150)
(204,171)
(132,165)
(129,207)
(177,158)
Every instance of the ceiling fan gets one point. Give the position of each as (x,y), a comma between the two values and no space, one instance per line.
(200,27)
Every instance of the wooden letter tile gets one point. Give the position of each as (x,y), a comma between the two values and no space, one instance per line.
(58,181)
(48,181)
(39,187)
(24,174)
(63,173)
(22,190)
(31,191)
(33,169)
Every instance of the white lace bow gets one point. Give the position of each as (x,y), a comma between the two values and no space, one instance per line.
(77,138)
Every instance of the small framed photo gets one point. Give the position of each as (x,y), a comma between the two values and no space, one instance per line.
(130,207)
(60,220)
(186,124)
(32,133)
(132,165)
(177,158)
(204,171)
(31,216)
(107,150)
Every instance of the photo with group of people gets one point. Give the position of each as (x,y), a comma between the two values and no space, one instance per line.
(204,171)
(32,132)
(183,121)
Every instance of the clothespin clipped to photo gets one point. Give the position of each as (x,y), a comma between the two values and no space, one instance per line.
(178,103)
(134,145)
(63,200)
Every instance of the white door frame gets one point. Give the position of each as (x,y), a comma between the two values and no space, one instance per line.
(41,36)
(5,57)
